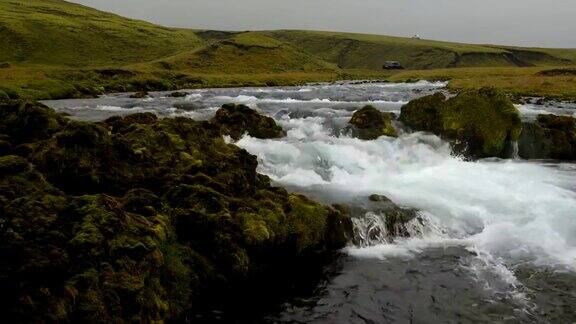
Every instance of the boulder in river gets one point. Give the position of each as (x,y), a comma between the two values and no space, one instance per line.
(237,120)
(178,94)
(139,95)
(481,123)
(369,123)
(549,137)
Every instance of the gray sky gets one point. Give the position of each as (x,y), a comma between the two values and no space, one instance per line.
(549,23)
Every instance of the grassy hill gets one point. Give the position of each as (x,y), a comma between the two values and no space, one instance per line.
(56,32)
(56,49)
(243,53)
(349,50)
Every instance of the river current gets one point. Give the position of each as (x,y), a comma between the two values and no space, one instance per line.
(494,240)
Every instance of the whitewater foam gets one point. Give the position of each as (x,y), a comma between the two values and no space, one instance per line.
(514,210)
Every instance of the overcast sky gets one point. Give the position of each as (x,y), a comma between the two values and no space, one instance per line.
(550,23)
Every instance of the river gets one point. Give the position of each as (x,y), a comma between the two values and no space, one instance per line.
(494,240)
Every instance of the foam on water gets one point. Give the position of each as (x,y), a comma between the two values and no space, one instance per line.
(513,211)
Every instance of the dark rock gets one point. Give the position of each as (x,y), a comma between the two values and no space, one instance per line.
(378,198)
(186,106)
(5,147)
(11,164)
(139,95)
(370,123)
(380,221)
(481,123)
(178,94)
(549,137)
(236,120)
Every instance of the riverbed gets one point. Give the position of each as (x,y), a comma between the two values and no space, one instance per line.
(494,240)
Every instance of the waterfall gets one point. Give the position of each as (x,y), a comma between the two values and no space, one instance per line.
(515,154)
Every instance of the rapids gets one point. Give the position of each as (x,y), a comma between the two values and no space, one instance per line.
(495,240)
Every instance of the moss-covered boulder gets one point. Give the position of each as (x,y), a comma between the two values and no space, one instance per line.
(237,120)
(139,219)
(369,123)
(481,123)
(549,137)
(25,122)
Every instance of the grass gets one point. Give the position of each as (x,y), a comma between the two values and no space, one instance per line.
(56,32)
(531,81)
(56,49)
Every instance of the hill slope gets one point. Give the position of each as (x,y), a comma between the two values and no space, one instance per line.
(349,50)
(63,33)
(248,52)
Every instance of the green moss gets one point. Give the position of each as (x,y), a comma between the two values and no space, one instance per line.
(368,123)
(137,218)
(11,164)
(28,122)
(484,121)
(254,228)
(550,137)
(306,220)
(236,120)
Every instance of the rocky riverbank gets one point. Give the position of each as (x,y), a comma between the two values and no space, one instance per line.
(141,219)
(137,218)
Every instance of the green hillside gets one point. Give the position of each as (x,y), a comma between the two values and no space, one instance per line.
(243,53)
(57,49)
(349,50)
(61,33)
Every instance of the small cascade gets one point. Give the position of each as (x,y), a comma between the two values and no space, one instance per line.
(370,230)
(515,154)
(377,227)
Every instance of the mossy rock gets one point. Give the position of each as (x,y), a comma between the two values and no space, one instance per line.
(237,120)
(12,164)
(26,122)
(140,218)
(369,123)
(549,137)
(122,124)
(3,95)
(481,123)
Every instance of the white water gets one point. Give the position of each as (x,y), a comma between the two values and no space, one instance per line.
(508,212)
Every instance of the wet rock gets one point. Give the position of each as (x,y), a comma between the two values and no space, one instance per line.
(379,198)
(177,94)
(549,137)
(236,120)
(380,221)
(186,106)
(139,95)
(481,123)
(370,123)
